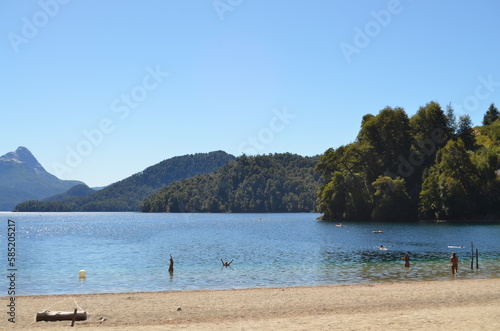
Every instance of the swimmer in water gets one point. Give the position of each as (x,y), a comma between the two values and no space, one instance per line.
(226,264)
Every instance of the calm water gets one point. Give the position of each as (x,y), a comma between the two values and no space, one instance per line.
(129,252)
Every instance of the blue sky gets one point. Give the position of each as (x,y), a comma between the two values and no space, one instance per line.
(100,90)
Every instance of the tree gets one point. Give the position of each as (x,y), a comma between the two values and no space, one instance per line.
(430,205)
(465,132)
(451,118)
(450,189)
(391,201)
(487,162)
(428,120)
(492,114)
(430,129)
(388,134)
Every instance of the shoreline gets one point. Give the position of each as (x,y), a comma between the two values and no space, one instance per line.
(429,305)
(483,220)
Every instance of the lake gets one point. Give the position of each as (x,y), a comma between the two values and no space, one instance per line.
(129,252)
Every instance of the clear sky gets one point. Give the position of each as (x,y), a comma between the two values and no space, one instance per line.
(100,90)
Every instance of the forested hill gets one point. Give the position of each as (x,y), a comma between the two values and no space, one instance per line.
(76,191)
(428,166)
(128,194)
(265,183)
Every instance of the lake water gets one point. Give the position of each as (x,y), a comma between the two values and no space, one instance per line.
(129,252)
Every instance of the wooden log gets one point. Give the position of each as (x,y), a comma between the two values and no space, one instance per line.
(48,315)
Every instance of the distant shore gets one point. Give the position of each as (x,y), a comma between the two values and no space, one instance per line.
(439,305)
(454,221)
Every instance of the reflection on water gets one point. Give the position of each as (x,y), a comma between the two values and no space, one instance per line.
(128,252)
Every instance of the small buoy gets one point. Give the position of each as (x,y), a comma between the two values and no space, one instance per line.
(82,274)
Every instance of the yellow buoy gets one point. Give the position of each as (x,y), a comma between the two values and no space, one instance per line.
(82,274)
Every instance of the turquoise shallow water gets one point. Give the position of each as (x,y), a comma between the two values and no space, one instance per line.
(129,252)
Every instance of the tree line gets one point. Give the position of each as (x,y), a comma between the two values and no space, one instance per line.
(427,166)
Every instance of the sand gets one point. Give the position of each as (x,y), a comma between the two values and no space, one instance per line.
(441,305)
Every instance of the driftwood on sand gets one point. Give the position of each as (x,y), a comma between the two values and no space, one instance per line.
(48,315)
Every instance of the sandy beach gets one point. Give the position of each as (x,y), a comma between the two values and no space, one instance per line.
(440,305)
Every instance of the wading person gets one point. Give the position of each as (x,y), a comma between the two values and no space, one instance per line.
(171,267)
(406,258)
(454,263)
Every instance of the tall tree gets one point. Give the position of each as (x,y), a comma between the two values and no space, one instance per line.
(430,129)
(492,114)
(452,119)
(388,134)
(465,131)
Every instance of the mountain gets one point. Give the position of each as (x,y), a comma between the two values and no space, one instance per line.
(81,190)
(265,183)
(22,178)
(128,194)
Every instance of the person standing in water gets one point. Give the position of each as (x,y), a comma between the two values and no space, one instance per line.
(171,267)
(454,263)
(407,260)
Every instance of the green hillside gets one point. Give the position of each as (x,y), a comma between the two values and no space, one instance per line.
(81,190)
(128,194)
(266,183)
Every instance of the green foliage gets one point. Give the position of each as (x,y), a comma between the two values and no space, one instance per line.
(40,206)
(401,169)
(430,129)
(128,194)
(451,189)
(465,132)
(386,135)
(391,201)
(80,190)
(266,183)
(491,115)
